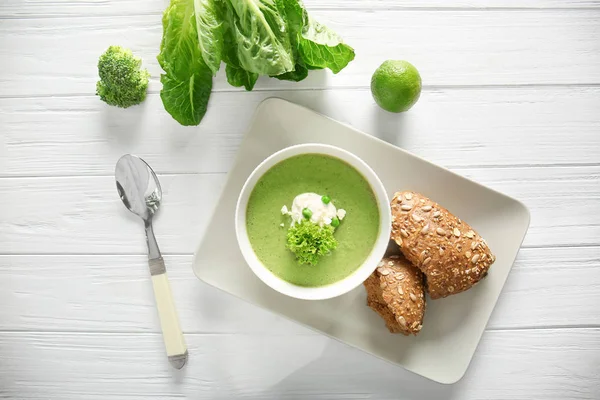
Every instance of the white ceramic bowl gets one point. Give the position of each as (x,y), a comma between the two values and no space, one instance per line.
(351,281)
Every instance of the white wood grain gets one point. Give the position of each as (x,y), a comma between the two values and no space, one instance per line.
(83,215)
(477,126)
(36,298)
(548,364)
(547,287)
(511,99)
(58,56)
(36,8)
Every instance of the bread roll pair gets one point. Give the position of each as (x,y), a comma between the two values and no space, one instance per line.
(448,253)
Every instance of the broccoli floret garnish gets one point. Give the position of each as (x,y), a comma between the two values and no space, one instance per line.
(309,241)
(122,83)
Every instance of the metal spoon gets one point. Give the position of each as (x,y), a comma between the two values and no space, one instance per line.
(140,191)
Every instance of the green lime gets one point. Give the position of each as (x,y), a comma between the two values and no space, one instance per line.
(396,85)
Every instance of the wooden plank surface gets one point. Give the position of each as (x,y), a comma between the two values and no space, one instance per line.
(550,364)
(478,126)
(53,8)
(511,99)
(83,215)
(553,47)
(557,287)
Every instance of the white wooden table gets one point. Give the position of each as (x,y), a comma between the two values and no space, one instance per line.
(511,98)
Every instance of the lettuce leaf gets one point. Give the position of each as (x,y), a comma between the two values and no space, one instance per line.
(239,77)
(187,81)
(299,73)
(319,46)
(210,32)
(253,37)
(259,29)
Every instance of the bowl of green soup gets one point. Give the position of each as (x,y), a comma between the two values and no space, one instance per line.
(313,221)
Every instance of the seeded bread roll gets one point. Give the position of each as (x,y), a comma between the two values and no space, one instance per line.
(396,291)
(450,253)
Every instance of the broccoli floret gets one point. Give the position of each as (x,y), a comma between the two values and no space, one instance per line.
(122,83)
(309,241)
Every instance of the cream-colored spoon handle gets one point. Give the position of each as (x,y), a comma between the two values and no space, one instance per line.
(169,321)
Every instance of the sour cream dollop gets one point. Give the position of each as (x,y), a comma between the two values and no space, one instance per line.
(322,214)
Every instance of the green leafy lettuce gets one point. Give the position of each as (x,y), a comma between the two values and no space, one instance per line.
(187,80)
(259,31)
(319,46)
(276,38)
(210,33)
(239,77)
(309,242)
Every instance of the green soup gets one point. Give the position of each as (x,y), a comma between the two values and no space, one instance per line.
(324,175)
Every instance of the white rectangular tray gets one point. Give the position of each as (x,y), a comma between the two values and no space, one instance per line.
(452,327)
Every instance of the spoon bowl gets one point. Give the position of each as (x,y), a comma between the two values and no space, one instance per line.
(138,186)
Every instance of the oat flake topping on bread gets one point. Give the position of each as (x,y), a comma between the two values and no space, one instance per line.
(450,253)
(396,291)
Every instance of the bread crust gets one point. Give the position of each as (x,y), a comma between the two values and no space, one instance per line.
(451,254)
(396,291)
